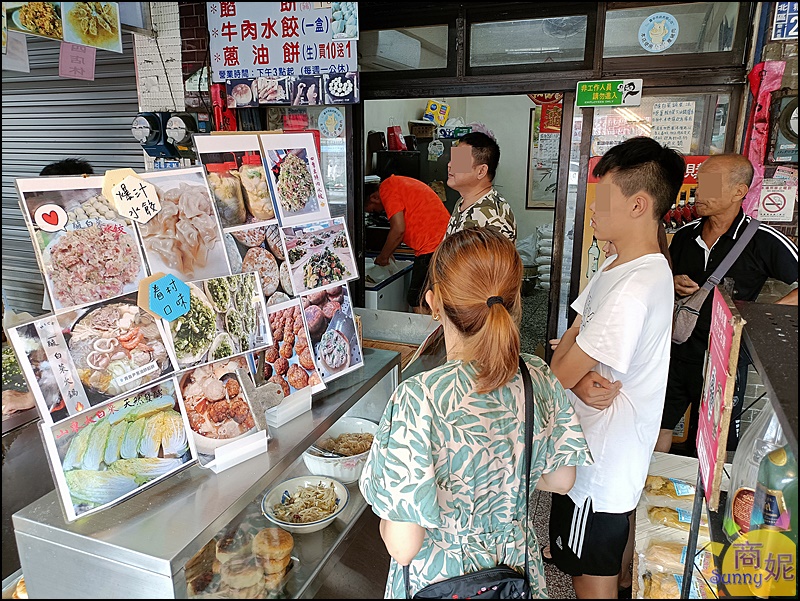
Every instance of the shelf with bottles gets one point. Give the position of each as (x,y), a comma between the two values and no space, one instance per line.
(757,511)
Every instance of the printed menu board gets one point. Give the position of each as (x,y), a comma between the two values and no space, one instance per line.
(128,397)
(113,451)
(281,39)
(86,251)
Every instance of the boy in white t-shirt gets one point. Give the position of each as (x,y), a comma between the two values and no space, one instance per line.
(622,334)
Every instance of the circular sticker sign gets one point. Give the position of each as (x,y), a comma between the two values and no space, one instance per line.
(658,32)
(331,122)
(50,217)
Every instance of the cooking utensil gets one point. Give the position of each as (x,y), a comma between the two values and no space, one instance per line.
(324,453)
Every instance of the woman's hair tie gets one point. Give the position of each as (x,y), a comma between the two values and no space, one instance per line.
(493,300)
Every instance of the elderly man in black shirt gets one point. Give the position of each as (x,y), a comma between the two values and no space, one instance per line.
(696,250)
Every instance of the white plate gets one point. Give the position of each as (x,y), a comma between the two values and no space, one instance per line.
(288,487)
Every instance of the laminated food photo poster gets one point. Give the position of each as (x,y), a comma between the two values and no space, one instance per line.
(88,356)
(86,251)
(110,452)
(294,173)
(184,238)
(319,254)
(218,408)
(227,317)
(237,178)
(332,329)
(238,181)
(290,361)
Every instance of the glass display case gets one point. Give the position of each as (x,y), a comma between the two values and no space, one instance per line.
(140,548)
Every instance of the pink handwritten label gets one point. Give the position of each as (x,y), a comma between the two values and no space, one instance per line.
(76,61)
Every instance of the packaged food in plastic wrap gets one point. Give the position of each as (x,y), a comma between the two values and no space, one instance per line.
(668,586)
(670,556)
(658,487)
(678,518)
(225,184)
(255,188)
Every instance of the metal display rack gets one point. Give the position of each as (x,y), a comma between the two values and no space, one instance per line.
(770,338)
(139,549)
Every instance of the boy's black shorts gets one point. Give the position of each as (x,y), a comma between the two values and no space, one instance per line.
(585,542)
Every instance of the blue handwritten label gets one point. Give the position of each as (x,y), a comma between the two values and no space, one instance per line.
(169,297)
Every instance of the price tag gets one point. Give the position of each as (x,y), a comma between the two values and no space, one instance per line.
(136,199)
(169,297)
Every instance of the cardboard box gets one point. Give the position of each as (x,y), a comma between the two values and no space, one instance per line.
(422,129)
(437,112)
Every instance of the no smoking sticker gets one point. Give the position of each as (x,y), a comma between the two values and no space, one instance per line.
(777,203)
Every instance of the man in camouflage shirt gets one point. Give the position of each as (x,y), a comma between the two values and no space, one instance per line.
(470,172)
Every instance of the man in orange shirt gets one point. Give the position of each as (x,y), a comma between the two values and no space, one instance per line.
(418,218)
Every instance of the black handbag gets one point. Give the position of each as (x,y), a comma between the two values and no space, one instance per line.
(687,309)
(502,581)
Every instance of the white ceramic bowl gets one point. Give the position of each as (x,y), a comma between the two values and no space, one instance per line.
(287,487)
(344,469)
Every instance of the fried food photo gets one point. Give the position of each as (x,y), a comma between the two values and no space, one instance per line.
(95,23)
(41,18)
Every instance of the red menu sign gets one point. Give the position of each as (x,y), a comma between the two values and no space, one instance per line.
(717,401)
(275,39)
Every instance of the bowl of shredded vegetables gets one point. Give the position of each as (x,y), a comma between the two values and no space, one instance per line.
(351,439)
(305,504)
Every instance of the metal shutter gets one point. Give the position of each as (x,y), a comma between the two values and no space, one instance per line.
(47,118)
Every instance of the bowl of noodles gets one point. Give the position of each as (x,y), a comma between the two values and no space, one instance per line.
(351,437)
(305,504)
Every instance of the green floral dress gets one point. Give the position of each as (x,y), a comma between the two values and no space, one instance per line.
(450,460)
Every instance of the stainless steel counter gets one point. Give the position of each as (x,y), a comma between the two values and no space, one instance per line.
(139,548)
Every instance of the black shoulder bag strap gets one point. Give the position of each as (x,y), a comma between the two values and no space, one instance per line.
(528,388)
(726,263)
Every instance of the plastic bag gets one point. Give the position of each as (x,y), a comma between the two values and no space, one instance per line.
(678,518)
(670,556)
(527,249)
(672,488)
(545,231)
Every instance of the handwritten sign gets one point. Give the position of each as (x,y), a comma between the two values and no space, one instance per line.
(275,39)
(61,364)
(169,298)
(76,61)
(136,199)
(673,124)
(112,177)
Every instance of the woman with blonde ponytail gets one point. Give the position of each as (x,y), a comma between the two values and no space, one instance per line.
(446,470)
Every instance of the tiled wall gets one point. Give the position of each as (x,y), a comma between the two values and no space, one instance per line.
(158,59)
